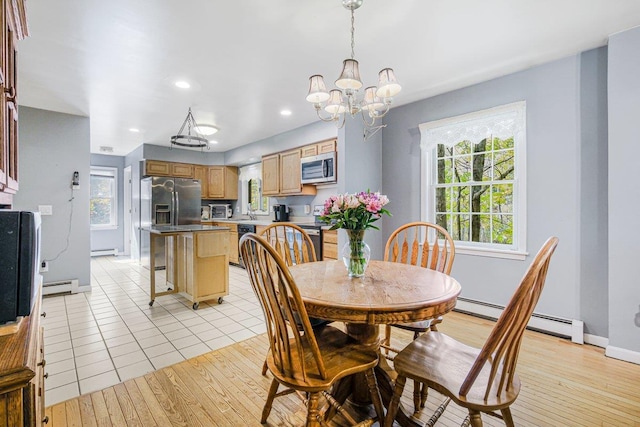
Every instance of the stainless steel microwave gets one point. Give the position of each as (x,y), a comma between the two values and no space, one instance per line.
(318,169)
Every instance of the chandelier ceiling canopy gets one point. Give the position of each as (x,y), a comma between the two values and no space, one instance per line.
(338,102)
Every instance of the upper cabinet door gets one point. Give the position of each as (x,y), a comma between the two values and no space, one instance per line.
(201,174)
(290,172)
(271,175)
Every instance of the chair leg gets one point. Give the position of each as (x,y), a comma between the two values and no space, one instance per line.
(387,338)
(506,416)
(370,375)
(267,406)
(424,394)
(312,410)
(416,396)
(475,418)
(264,368)
(395,401)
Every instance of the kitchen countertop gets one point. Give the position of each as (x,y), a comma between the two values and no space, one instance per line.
(264,222)
(186,228)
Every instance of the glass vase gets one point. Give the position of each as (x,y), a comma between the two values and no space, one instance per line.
(356,253)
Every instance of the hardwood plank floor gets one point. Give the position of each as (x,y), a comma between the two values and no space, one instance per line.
(564,384)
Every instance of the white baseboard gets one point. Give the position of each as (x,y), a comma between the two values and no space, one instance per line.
(103,252)
(596,340)
(623,354)
(569,328)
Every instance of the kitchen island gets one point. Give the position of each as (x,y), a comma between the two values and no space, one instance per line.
(197,263)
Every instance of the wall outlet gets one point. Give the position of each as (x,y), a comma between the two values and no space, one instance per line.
(45,209)
(44,266)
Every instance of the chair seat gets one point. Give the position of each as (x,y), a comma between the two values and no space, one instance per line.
(342,356)
(421,326)
(428,359)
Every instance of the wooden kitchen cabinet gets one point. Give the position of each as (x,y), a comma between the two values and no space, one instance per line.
(22,374)
(13,28)
(329,244)
(203,265)
(223,182)
(233,240)
(201,173)
(271,175)
(281,175)
(161,168)
(319,148)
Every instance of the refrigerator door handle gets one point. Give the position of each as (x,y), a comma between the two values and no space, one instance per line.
(176,209)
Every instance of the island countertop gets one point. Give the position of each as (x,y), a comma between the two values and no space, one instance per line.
(186,228)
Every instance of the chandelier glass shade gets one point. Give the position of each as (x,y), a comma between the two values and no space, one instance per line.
(333,105)
(188,140)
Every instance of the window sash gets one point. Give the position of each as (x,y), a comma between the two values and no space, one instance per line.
(107,200)
(509,121)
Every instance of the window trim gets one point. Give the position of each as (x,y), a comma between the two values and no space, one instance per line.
(427,175)
(108,172)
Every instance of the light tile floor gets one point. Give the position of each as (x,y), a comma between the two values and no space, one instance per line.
(96,339)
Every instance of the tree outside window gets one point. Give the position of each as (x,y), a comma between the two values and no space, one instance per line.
(473,177)
(103,201)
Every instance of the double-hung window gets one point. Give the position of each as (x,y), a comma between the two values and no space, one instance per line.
(473,180)
(104,198)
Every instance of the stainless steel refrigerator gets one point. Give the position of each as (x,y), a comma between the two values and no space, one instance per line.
(166,201)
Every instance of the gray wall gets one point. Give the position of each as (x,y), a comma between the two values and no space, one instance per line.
(111,239)
(52,146)
(156,152)
(624,196)
(552,94)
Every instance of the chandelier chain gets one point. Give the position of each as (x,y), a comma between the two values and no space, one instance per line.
(353,30)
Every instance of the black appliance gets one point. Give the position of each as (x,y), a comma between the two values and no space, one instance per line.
(281,213)
(242,230)
(19,263)
(315,234)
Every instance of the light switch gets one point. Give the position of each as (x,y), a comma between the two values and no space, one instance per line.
(45,209)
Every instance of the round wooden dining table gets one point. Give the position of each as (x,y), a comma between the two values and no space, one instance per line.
(388,293)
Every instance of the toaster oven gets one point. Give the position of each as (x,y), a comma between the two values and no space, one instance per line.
(220,211)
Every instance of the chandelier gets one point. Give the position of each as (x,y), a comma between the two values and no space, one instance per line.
(188,140)
(338,102)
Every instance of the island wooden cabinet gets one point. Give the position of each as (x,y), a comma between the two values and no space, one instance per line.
(330,244)
(281,175)
(233,240)
(22,366)
(13,28)
(203,265)
(223,182)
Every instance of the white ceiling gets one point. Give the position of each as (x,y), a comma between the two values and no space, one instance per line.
(115,61)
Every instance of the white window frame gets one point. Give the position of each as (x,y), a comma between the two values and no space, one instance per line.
(247,173)
(475,127)
(108,172)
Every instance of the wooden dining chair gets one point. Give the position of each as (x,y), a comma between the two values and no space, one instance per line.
(302,358)
(480,380)
(426,245)
(292,243)
(294,246)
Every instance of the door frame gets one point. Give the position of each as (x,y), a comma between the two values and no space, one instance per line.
(127,242)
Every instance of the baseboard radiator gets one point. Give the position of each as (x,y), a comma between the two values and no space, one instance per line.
(60,287)
(104,252)
(558,326)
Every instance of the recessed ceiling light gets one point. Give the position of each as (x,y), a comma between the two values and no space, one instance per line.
(285,112)
(206,129)
(134,130)
(182,84)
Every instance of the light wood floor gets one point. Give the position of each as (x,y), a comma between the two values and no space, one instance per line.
(564,384)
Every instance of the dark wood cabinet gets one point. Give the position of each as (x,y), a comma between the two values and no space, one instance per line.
(14,27)
(22,367)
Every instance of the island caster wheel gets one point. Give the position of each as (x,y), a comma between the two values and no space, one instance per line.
(196,305)
(220,300)
(151,303)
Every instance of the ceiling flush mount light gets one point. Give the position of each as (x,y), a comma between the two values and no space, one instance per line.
(188,140)
(206,129)
(338,102)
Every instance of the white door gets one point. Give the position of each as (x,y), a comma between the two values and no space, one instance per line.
(127,211)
